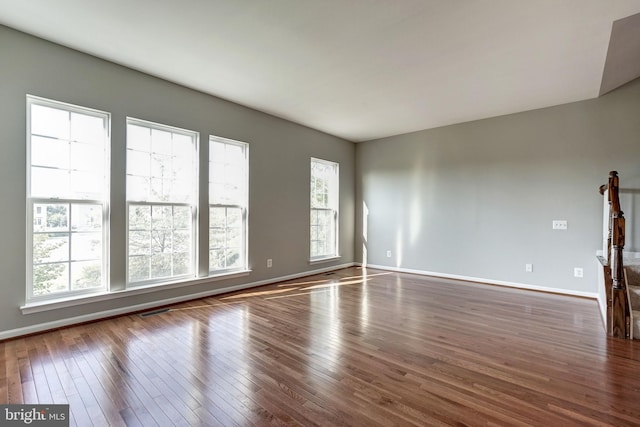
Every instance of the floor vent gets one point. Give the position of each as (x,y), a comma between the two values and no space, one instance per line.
(154,312)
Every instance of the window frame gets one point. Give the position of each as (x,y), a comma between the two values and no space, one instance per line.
(192,203)
(244,207)
(32,200)
(333,206)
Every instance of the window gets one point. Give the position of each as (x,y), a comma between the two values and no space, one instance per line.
(67,199)
(324,209)
(161,202)
(228,182)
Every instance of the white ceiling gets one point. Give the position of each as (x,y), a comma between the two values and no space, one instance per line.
(358,69)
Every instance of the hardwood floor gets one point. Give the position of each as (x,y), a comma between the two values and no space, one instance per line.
(347,348)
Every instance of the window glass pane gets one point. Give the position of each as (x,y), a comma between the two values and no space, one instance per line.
(57,217)
(160,141)
(182,143)
(88,129)
(234,154)
(139,217)
(181,241)
(217,217)
(139,243)
(138,188)
(39,217)
(50,278)
(86,246)
(216,259)
(181,263)
(138,163)
(86,185)
(182,165)
(181,190)
(51,122)
(216,194)
(217,150)
(234,237)
(234,217)
(86,274)
(50,247)
(235,174)
(139,268)
(86,217)
(217,238)
(49,182)
(182,217)
(160,190)
(162,217)
(161,166)
(49,152)
(167,163)
(161,241)
(87,157)
(138,138)
(216,172)
(161,265)
(232,258)
(164,233)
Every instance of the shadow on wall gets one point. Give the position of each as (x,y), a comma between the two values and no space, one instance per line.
(365,230)
(630,204)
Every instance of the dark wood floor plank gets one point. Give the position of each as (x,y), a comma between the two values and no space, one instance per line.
(14,383)
(352,348)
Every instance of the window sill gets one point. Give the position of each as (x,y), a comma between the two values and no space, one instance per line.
(54,304)
(322,260)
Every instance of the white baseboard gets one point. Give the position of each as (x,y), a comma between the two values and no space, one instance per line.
(40,327)
(602,305)
(538,288)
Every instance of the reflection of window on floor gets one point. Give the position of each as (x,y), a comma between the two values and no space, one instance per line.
(68,191)
(161,199)
(228,178)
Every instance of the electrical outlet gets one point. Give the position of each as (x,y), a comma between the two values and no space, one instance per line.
(559,224)
(528,268)
(269,263)
(388,254)
(577,272)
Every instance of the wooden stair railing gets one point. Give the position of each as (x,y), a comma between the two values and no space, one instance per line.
(618,313)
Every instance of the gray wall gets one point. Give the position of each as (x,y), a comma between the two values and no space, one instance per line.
(279,167)
(477,199)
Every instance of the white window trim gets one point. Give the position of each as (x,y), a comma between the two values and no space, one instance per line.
(245,209)
(335,209)
(72,301)
(319,260)
(30,201)
(194,211)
